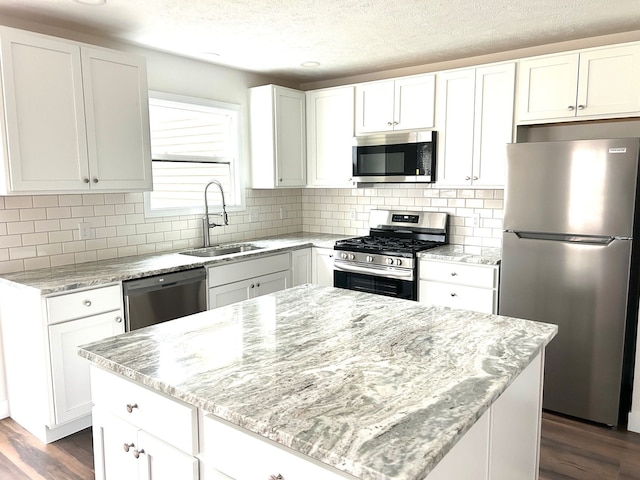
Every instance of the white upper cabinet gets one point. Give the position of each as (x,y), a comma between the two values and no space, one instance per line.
(278,137)
(401,104)
(600,83)
(330,117)
(75,117)
(474,123)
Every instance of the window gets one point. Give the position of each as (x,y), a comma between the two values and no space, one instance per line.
(193,141)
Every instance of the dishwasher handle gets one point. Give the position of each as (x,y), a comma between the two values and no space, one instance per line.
(157,282)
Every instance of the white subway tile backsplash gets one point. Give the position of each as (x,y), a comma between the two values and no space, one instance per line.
(119,228)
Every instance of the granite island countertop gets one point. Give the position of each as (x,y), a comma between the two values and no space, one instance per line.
(378,387)
(90,274)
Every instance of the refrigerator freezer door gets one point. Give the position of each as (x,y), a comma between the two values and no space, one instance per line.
(582,187)
(583,288)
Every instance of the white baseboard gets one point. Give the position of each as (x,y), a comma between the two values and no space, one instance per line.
(4,408)
(634,422)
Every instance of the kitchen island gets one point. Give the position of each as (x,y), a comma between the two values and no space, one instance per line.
(353,385)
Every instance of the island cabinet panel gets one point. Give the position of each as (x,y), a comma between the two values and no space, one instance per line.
(124,452)
(238,281)
(226,449)
(459,285)
(75,117)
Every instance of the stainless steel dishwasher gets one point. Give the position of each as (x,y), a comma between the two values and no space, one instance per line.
(159,298)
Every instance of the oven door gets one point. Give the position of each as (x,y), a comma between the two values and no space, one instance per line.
(363,282)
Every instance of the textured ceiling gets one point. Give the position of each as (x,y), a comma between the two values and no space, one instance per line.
(347,37)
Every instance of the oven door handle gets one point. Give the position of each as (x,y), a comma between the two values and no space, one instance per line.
(377,270)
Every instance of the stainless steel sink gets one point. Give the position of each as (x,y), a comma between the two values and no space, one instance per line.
(218,250)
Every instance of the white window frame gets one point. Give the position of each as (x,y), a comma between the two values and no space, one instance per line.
(237,168)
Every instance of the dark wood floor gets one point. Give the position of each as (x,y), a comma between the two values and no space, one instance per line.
(570,450)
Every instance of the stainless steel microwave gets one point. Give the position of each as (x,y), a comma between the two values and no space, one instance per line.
(395,157)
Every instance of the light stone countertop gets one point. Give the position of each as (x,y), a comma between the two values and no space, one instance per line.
(89,274)
(464,254)
(378,387)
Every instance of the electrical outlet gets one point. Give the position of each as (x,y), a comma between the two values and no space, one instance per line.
(254,213)
(85,230)
(476,219)
(283,213)
(353,215)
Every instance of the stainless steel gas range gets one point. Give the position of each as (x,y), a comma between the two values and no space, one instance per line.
(385,261)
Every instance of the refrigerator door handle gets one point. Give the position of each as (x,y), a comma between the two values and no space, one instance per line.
(559,237)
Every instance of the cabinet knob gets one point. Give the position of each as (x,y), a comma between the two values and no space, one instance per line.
(127,446)
(131,406)
(279,179)
(95,180)
(454,274)
(580,107)
(276,477)
(137,453)
(453,294)
(87,303)
(257,285)
(118,319)
(86,180)
(571,107)
(475,178)
(253,286)
(389,123)
(467,178)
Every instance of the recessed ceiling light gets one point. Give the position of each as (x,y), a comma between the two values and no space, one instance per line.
(310,64)
(91,2)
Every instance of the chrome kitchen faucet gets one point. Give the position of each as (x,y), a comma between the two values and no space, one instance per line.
(206,225)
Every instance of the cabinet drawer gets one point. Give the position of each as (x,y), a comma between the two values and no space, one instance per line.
(226,448)
(458,296)
(70,306)
(458,273)
(166,418)
(242,270)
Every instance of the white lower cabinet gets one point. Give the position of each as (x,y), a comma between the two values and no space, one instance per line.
(238,281)
(323,266)
(140,434)
(47,382)
(459,285)
(301,266)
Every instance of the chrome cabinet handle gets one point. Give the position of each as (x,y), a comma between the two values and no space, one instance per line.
(580,107)
(276,477)
(453,294)
(257,285)
(137,453)
(475,178)
(454,274)
(127,446)
(467,178)
(253,286)
(571,107)
(388,123)
(131,406)
(87,303)
(95,180)
(86,180)
(118,319)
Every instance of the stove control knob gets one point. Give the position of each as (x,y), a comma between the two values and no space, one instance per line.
(398,262)
(389,261)
(369,258)
(352,256)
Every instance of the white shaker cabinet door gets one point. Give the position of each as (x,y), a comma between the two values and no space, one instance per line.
(114,442)
(44,105)
(374,107)
(414,102)
(609,81)
(547,87)
(117,110)
(161,461)
(70,372)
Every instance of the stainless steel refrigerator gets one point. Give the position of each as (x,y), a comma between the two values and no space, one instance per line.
(570,258)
